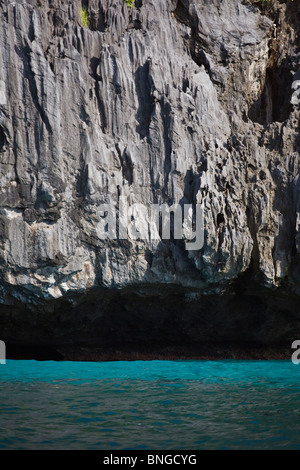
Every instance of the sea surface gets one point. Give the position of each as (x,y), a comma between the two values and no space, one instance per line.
(156,405)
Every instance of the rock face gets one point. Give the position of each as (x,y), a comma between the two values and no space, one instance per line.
(169,102)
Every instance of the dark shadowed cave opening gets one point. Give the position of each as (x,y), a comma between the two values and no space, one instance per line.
(161,324)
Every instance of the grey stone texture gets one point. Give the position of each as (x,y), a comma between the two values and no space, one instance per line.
(188,102)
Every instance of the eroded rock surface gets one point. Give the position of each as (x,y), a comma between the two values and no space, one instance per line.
(188,102)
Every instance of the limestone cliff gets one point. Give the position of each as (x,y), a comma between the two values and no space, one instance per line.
(172,101)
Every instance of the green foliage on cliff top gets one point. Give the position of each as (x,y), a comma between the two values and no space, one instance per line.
(84,15)
(130,3)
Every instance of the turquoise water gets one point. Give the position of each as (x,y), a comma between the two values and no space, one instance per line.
(156,405)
